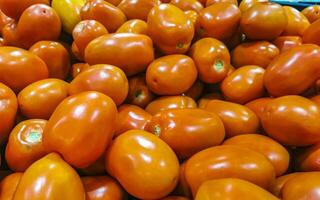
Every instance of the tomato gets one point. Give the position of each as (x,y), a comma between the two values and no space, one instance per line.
(211,2)
(192,15)
(170,102)
(187,5)
(282,119)
(131,117)
(105,13)
(134,26)
(139,93)
(312,13)
(135,150)
(246,4)
(137,9)
(50,178)
(76,52)
(9,185)
(9,33)
(264,21)
(237,119)
(277,185)
(308,158)
(258,105)
(212,59)
(228,161)
(187,131)
(195,91)
(316,99)
(102,188)
(171,75)
(40,99)
(232,188)
(203,101)
(259,53)
(311,34)
(86,31)
(77,68)
(85,122)
(219,21)
(117,49)
(297,22)
(287,42)
(296,69)
(107,79)
(170,29)
(55,55)
(4,20)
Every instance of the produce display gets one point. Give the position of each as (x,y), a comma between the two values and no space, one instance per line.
(159,100)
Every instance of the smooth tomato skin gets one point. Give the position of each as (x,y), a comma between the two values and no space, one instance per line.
(246,4)
(8,111)
(170,29)
(105,13)
(232,188)
(308,159)
(275,152)
(39,99)
(137,9)
(258,105)
(211,2)
(4,20)
(203,101)
(237,119)
(187,131)
(135,150)
(212,59)
(278,184)
(131,117)
(228,161)
(134,26)
(296,69)
(117,49)
(259,53)
(219,21)
(282,119)
(192,15)
(77,68)
(88,120)
(185,5)
(244,84)
(195,91)
(312,13)
(9,185)
(171,75)
(316,99)
(9,33)
(170,102)
(297,22)
(25,144)
(107,79)
(56,57)
(102,188)
(311,34)
(287,42)
(253,21)
(19,68)
(60,181)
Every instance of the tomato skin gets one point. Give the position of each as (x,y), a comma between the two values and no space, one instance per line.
(287,42)
(168,38)
(19,68)
(185,5)
(39,99)
(258,105)
(246,4)
(137,9)
(297,22)
(316,99)
(192,15)
(259,53)
(203,101)
(135,150)
(88,120)
(77,68)
(282,119)
(117,49)
(232,188)
(228,161)
(134,26)
(287,69)
(4,20)
(211,2)
(107,79)
(55,174)
(278,184)
(312,13)
(9,185)
(311,34)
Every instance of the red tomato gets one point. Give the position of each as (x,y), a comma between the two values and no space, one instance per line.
(9,185)
(287,42)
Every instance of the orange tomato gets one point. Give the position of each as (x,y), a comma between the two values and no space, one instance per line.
(195,91)
(311,34)
(77,68)
(258,105)
(134,26)
(192,15)
(246,4)
(287,42)
(9,185)
(138,150)
(85,122)
(297,22)
(137,9)
(316,99)
(312,13)
(185,5)
(76,52)
(211,2)
(277,185)
(203,101)
(4,20)
(308,158)
(9,33)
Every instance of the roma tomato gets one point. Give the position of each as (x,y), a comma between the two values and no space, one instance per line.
(131,117)
(311,34)
(237,119)
(137,9)
(77,68)
(107,79)
(134,26)
(228,161)
(297,22)
(258,105)
(296,69)
(59,181)
(232,188)
(287,42)
(39,99)
(85,122)
(246,4)
(55,55)
(25,144)
(120,48)
(171,75)
(187,131)
(170,29)
(275,152)
(312,13)
(308,159)
(244,84)
(185,5)
(203,101)
(212,59)
(170,102)
(278,184)
(9,185)
(195,91)
(135,150)
(282,119)
(19,68)
(219,21)
(259,53)
(211,2)
(264,21)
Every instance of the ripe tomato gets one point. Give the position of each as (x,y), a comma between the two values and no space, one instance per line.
(185,5)
(277,185)
(9,185)
(211,2)
(287,42)
(307,159)
(137,9)
(203,101)
(4,20)
(311,34)
(195,91)
(77,68)
(192,15)
(246,4)
(134,26)
(9,33)
(297,22)
(316,99)
(312,13)
(258,105)
(135,150)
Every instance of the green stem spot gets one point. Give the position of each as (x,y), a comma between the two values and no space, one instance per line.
(139,94)
(218,65)
(180,45)
(157,130)
(34,137)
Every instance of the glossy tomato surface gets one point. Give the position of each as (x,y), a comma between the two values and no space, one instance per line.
(9,185)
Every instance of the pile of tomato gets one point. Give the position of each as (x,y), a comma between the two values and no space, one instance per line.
(159,100)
